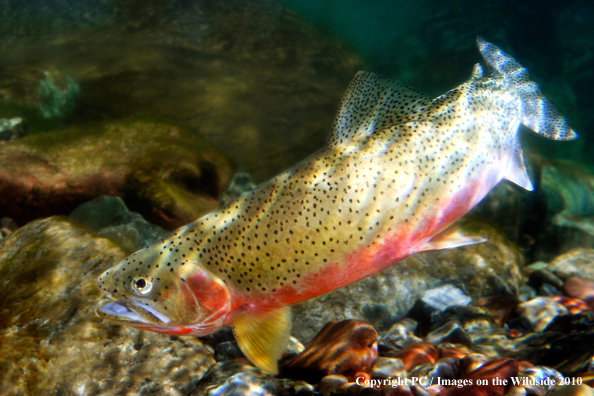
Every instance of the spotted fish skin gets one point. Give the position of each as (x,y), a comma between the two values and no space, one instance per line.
(397,171)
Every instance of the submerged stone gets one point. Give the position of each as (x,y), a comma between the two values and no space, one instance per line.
(110,218)
(165,172)
(576,262)
(345,347)
(51,339)
(41,87)
(541,311)
(251,77)
(13,128)
(232,378)
(563,346)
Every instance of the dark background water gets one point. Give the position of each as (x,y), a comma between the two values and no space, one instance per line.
(428,45)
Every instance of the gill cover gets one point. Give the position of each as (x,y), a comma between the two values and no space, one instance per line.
(188,299)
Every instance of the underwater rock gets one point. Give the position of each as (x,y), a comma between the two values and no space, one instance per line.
(345,347)
(451,332)
(166,173)
(51,339)
(291,387)
(332,383)
(561,346)
(541,277)
(575,306)
(499,307)
(502,368)
(232,378)
(556,217)
(251,77)
(13,128)
(240,184)
(386,367)
(545,379)
(576,262)
(440,298)
(567,189)
(541,311)
(110,218)
(42,87)
(400,334)
(7,227)
(448,350)
(582,289)
(486,268)
(416,354)
(472,362)
(573,390)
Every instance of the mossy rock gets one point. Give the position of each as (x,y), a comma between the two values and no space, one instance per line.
(52,341)
(165,172)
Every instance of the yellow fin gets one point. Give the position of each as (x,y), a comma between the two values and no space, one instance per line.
(263,335)
(451,237)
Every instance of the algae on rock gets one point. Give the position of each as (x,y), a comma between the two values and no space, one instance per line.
(52,341)
(166,172)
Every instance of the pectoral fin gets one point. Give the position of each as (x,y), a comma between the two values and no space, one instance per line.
(451,237)
(263,335)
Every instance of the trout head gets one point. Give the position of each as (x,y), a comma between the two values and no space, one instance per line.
(155,294)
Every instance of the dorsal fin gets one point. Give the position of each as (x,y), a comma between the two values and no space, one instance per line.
(371,103)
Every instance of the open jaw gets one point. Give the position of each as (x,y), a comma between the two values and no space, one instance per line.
(134,314)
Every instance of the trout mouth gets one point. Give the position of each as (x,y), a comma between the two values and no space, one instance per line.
(132,313)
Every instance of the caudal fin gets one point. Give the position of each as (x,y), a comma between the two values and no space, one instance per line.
(539,114)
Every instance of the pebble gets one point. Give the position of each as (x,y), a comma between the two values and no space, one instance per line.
(541,311)
(542,375)
(332,383)
(400,390)
(573,390)
(452,332)
(516,391)
(576,262)
(232,378)
(418,353)
(447,350)
(401,334)
(580,288)
(445,296)
(387,367)
(471,362)
(344,347)
(575,306)
(537,278)
(499,307)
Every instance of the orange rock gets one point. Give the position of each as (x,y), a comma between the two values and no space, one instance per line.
(575,306)
(347,347)
(472,362)
(400,390)
(417,353)
(580,288)
(502,368)
(453,350)
(499,307)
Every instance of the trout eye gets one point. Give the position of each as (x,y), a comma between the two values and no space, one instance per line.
(141,285)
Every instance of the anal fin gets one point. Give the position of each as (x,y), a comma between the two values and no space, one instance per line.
(517,172)
(263,335)
(451,237)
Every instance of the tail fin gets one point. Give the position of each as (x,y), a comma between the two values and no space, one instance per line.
(539,114)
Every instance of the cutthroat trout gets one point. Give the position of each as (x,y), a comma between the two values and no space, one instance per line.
(396,173)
